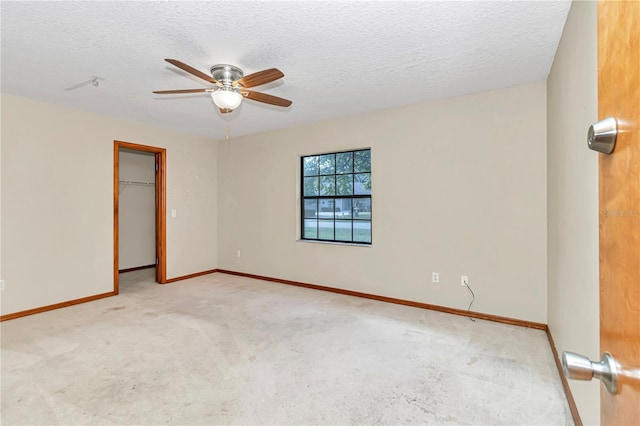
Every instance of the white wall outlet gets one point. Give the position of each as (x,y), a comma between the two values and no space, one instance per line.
(174,213)
(1,284)
(237,253)
(435,277)
(464,280)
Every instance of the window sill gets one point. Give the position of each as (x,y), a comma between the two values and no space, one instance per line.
(334,243)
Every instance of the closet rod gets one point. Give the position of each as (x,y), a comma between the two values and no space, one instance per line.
(133,182)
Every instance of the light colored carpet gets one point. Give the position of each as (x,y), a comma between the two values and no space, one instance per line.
(221,349)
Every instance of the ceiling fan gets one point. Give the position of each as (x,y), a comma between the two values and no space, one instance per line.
(231,85)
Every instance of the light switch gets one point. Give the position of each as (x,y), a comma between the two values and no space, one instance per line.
(174,213)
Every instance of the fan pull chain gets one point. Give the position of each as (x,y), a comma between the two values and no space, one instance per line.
(228,130)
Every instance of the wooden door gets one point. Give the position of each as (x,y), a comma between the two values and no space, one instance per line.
(619,210)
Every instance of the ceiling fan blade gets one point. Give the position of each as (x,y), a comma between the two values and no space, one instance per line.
(267,99)
(259,78)
(225,110)
(166,92)
(192,70)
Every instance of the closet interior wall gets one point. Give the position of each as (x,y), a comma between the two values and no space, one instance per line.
(136,233)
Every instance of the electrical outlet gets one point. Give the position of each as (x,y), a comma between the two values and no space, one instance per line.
(435,277)
(464,280)
(1,284)
(237,253)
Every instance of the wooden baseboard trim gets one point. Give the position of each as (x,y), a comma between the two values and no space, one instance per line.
(95,297)
(479,315)
(56,306)
(137,268)
(565,385)
(186,277)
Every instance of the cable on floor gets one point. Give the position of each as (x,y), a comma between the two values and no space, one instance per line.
(473,297)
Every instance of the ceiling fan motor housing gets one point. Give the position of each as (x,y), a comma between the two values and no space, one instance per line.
(226,74)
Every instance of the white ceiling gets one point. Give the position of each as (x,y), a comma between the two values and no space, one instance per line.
(339,58)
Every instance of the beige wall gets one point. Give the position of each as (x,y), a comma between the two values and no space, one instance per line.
(1,276)
(57,201)
(573,199)
(136,209)
(459,187)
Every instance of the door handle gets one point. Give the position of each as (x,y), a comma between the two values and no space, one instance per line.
(602,135)
(578,367)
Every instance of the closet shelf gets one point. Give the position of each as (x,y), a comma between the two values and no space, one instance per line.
(124,183)
(136,183)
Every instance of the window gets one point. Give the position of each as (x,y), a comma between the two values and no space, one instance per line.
(336,197)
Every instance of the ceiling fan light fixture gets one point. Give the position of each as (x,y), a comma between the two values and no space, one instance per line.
(226,99)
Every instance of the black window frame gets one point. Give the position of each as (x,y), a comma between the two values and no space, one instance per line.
(352,218)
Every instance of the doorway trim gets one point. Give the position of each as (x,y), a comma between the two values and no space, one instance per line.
(161,208)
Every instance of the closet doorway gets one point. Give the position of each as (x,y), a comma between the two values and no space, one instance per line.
(130,173)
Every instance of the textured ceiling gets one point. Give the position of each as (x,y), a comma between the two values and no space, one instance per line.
(339,58)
